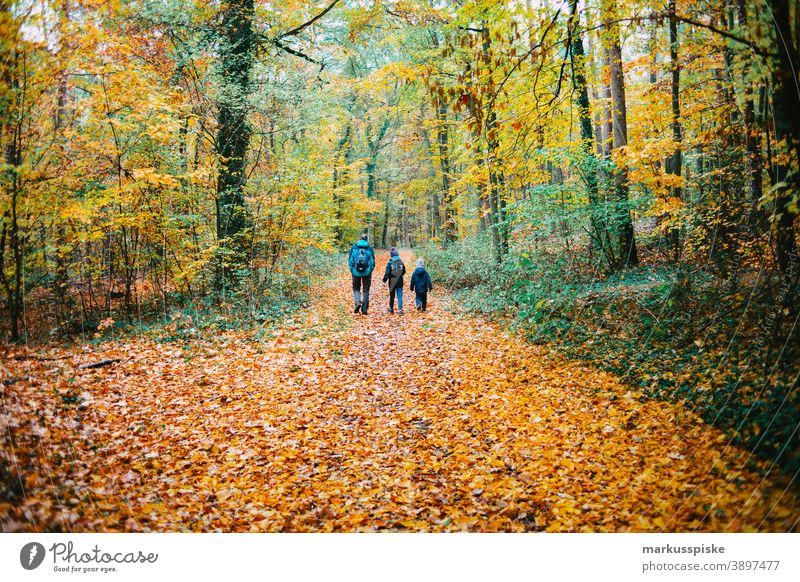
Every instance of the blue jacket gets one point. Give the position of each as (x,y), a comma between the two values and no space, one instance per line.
(351,261)
(421,280)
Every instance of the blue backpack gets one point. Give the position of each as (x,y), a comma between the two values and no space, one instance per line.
(362,259)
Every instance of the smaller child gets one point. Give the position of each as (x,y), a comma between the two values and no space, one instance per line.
(421,284)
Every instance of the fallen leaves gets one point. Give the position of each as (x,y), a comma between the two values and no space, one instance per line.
(337,422)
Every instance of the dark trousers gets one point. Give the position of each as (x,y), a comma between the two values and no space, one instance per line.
(361,291)
(422,300)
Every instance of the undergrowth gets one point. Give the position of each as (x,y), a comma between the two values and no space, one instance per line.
(728,351)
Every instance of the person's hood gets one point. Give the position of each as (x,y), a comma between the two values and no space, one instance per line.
(419,270)
(362,243)
(392,259)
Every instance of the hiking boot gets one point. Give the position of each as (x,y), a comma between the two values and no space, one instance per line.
(358,307)
(390,311)
(400,312)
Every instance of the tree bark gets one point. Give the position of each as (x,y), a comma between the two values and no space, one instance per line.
(628,255)
(786,106)
(341,157)
(236,59)
(374,147)
(61,274)
(12,105)
(754,161)
(589,170)
(442,140)
(497,217)
(673,165)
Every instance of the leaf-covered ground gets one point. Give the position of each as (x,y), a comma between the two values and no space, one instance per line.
(338,422)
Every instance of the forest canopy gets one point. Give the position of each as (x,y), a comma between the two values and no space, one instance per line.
(160,150)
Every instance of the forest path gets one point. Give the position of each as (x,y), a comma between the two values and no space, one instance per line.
(340,422)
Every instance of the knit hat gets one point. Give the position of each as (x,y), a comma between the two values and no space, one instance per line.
(394,253)
(420,263)
(364,236)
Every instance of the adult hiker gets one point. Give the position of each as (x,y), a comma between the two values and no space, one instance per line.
(361,263)
(395,269)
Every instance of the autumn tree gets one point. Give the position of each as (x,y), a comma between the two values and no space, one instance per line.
(623,222)
(237,46)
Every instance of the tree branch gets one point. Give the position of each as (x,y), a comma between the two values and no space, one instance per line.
(297,53)
(472,29)
(302,27)
(758,50)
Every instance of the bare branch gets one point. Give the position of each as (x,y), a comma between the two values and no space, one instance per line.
(758,50)
(302,27)
(297,53)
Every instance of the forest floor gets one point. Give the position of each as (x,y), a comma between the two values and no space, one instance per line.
(331,421)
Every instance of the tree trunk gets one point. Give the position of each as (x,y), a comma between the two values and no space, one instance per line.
(754,161)
(442,139)
(385,229)
(483,198)
(374,147)
(597,227)
(369,168)
(12,108)
(61,275)
(341,156)
(434,206)
(598,122)
(496,181)
(786,106)
(236,60)
(624,224)
(673,165)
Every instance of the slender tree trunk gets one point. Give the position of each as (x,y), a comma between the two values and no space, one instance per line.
(598,122)
(385,229)
(374,149)
(628,255)
(497,217)
(752,136)
(606,127)
(494,212)
(15,243)
(673,165)
(339,178)
(61,275)
(432,224)
(652,43)
(442,140)
(369,168)
(434,207)
(13,100)
(606,141)
(597,227)
(404,220)
(483,197)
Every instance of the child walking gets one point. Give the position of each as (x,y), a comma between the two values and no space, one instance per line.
(421,284)
(395,269)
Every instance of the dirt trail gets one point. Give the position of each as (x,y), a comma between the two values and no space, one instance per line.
(339,422)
